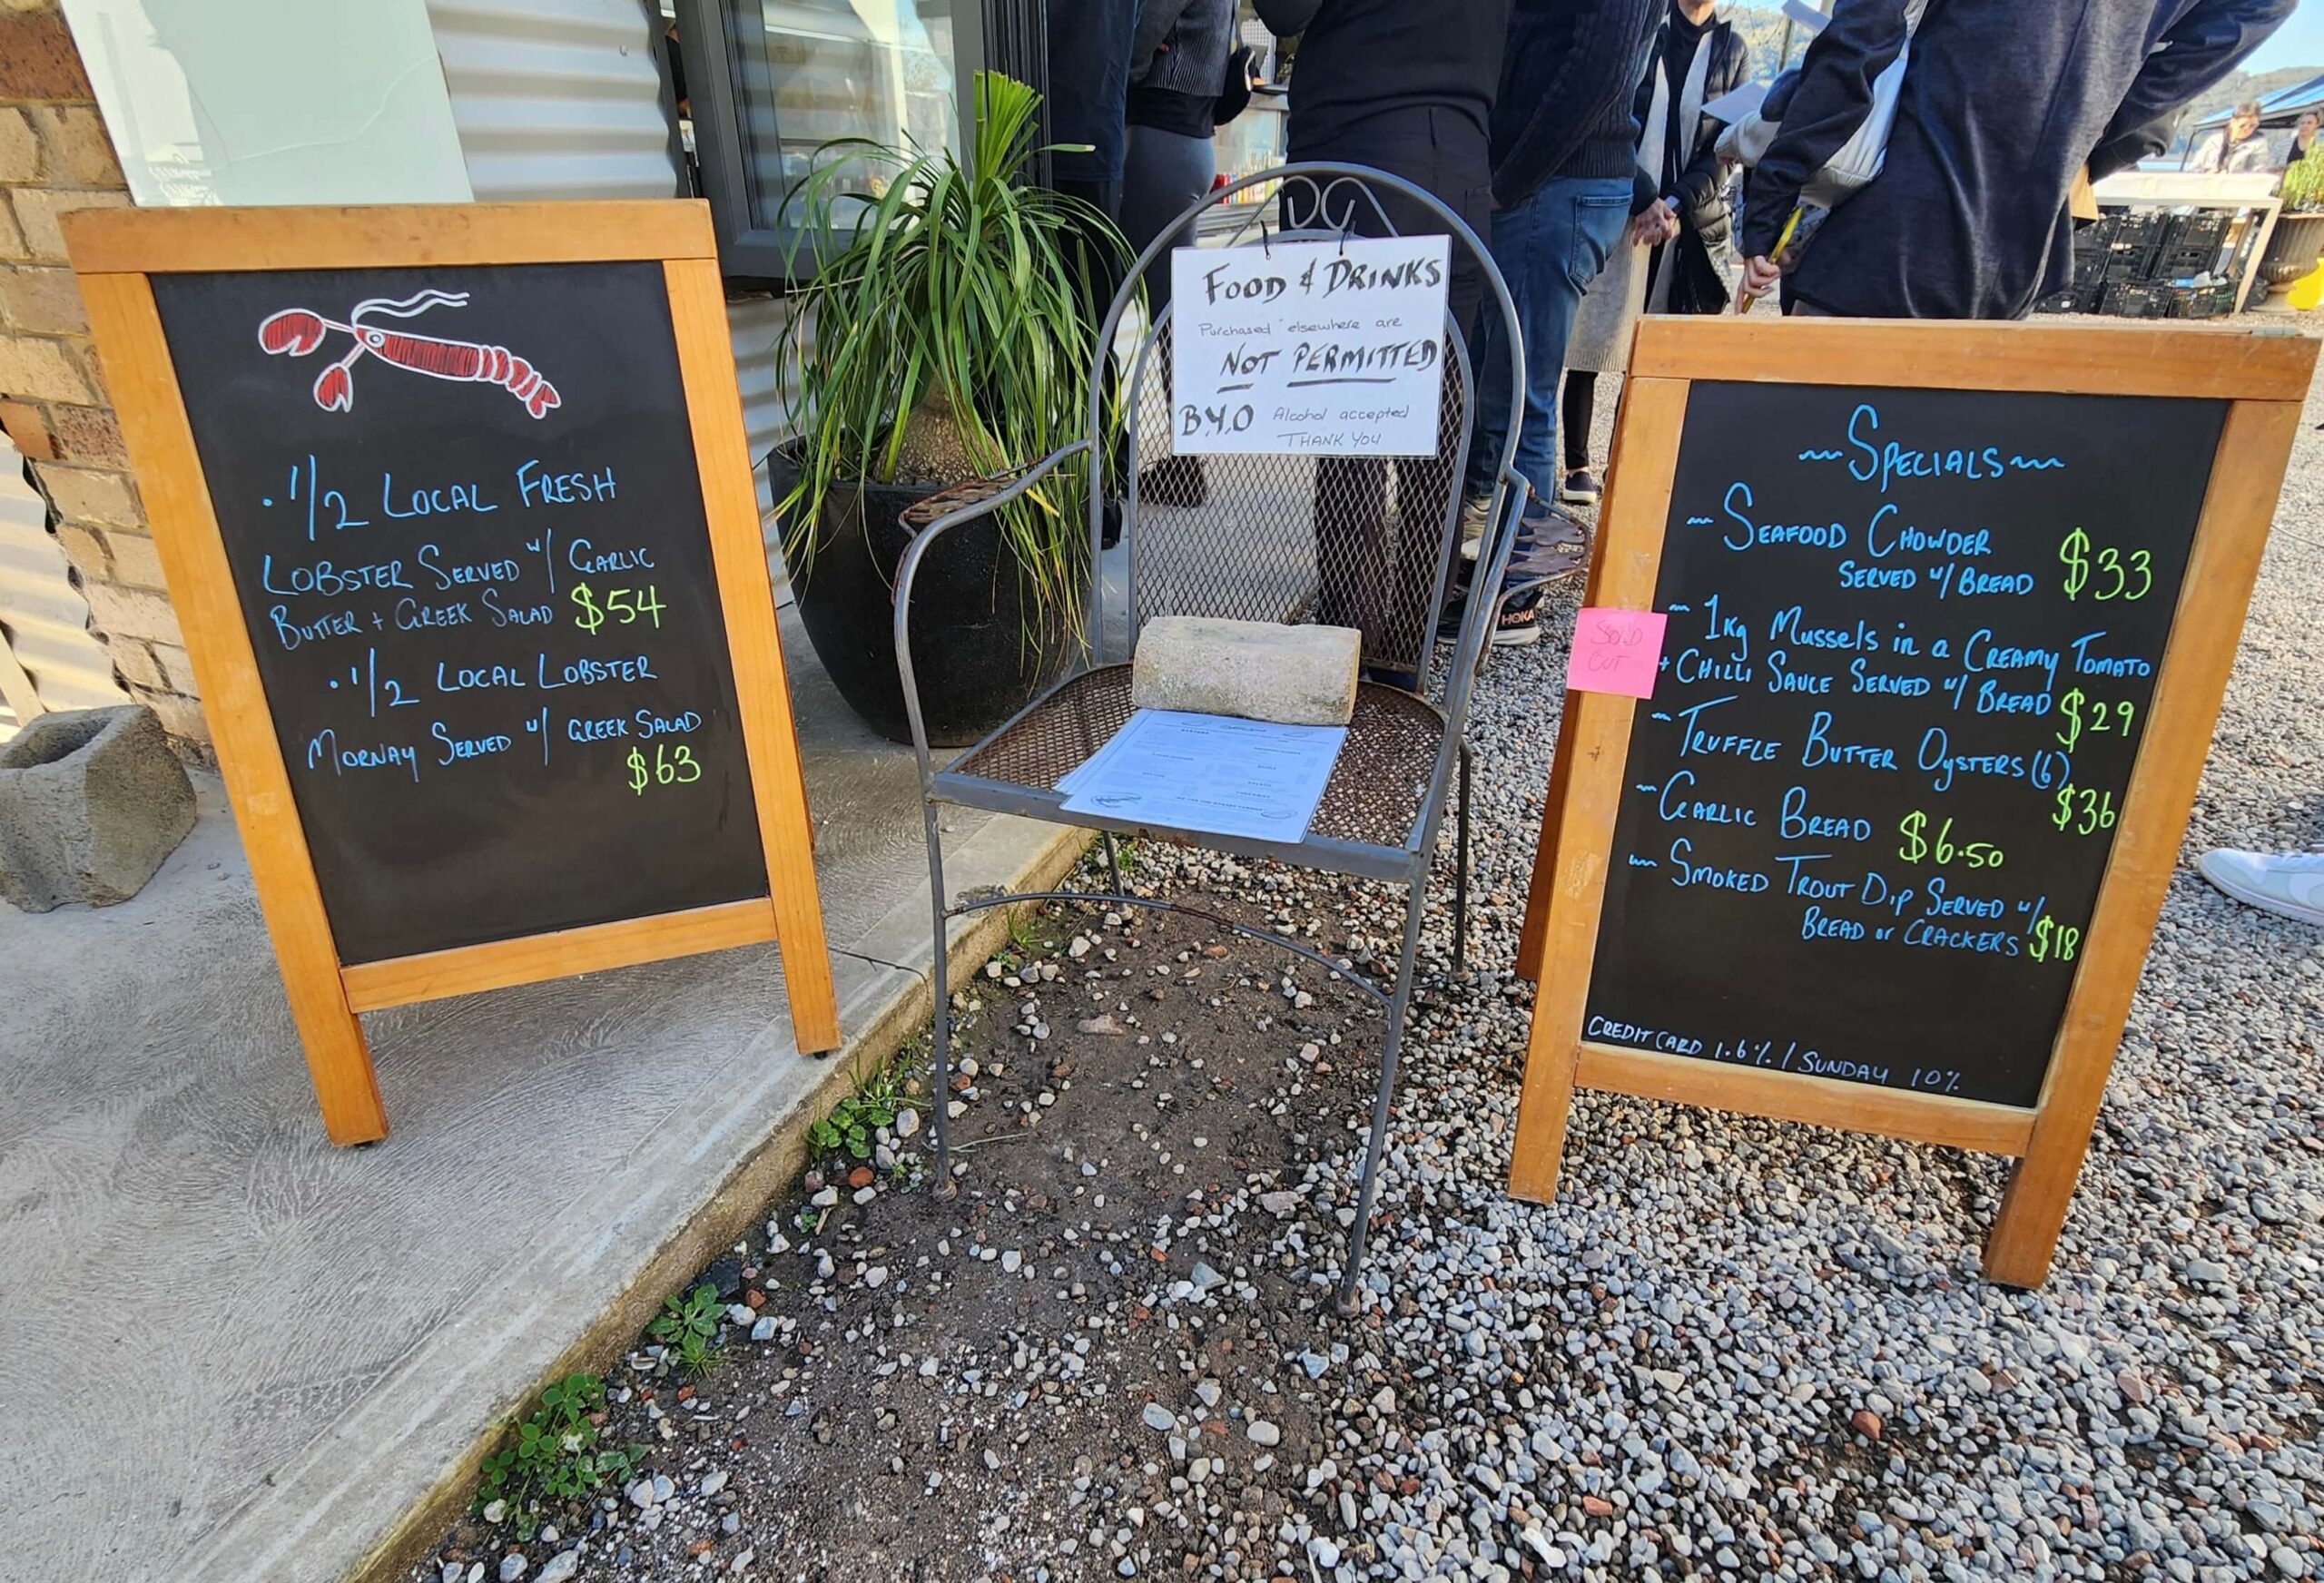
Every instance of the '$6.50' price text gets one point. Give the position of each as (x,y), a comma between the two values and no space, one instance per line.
(1941,849)
(626,605)
(670,766)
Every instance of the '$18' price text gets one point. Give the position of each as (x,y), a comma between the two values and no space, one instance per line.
(670,766)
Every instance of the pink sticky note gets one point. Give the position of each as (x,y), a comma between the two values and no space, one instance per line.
(1616,651)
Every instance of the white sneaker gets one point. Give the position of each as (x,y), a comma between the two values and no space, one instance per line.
(2290,883)
(1473,511)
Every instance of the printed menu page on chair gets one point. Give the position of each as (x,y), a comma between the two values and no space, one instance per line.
(1168,769)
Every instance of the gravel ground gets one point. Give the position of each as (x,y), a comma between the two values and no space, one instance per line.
(1734,1349)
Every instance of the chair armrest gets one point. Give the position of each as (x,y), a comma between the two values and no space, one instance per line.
(929,520)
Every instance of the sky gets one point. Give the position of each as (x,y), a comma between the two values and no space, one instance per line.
(2299,42)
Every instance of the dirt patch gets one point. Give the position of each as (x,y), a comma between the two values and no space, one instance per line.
(1092,1360)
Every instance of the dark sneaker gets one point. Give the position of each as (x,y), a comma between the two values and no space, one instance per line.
(1173,481)
(1580,487)
(1518,624)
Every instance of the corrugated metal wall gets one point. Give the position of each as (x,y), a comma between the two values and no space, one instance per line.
(564,99)
(42,621)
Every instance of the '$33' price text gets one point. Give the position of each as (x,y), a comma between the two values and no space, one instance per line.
(2112,576)
(625,605)
(670,766)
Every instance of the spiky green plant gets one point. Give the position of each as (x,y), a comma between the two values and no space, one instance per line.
(2303,186)
(947,291)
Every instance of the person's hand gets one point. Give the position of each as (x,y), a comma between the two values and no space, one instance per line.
(1759,278)
(1654,225)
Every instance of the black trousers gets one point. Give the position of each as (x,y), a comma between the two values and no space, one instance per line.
(1375,571)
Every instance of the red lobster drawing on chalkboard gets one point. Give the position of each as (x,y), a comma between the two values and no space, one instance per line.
(299,330)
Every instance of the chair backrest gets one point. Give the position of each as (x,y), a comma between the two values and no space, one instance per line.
(1297,538)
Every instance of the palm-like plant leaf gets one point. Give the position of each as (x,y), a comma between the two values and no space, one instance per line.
(958,282)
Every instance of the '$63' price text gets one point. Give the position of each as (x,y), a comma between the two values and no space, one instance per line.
(670,766)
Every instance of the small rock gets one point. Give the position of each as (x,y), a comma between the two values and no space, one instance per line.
(907,1123)
(1327,1553)
(712,1483)
(1264,1433)
(1159,1418)
(1104,1024)
(1865,1422)
(496,1511)
(512,1566)
(561,1567)
(1596,1505)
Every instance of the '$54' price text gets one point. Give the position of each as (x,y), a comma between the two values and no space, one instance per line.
(626,606)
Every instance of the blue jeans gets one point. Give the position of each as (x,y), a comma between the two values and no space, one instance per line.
(1548,248)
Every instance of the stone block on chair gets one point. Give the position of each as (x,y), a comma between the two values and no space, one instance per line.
(1259,670)
(91,802)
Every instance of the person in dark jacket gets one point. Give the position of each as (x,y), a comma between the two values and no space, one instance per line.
(1404,87)
(2003,103)
(1089,44)
(1177,67)
(1698,57)
(1565,186)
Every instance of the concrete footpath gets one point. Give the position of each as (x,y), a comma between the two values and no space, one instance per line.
(231,1351)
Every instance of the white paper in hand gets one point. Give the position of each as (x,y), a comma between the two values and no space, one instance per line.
(1326,348)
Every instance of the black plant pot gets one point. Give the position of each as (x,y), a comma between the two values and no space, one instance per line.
(981,651)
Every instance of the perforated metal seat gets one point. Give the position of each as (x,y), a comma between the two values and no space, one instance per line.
(1370,820)
(1362,542)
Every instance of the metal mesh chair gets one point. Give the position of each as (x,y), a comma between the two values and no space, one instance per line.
(1355,542)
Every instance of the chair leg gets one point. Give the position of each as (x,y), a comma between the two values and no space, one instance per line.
(1113,863)
(1397,1006)
(1461,871)
(940,1037)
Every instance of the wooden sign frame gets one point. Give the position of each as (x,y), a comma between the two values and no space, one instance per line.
(2263,377)
(115,253)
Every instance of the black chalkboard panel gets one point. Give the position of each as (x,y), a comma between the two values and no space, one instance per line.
(466,527)
(1913,639)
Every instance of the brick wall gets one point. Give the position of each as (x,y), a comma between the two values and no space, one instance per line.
(55,156)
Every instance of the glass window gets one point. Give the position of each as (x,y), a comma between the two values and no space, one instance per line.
(770,82)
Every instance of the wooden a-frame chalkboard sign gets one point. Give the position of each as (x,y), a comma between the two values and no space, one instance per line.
(457,514)
(1950,610)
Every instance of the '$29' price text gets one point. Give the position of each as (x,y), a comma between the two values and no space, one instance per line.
(670,766)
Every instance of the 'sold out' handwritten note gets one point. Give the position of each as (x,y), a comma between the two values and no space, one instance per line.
(1615,651)
(1332,348)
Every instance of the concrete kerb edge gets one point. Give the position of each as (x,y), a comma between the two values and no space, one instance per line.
(724,1219)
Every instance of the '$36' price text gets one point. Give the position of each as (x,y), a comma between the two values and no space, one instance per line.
(626,605)
(2083,809)
(670,766)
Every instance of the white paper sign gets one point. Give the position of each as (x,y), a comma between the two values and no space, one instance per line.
(1328,347)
